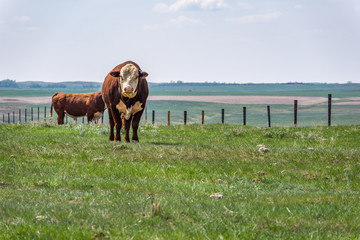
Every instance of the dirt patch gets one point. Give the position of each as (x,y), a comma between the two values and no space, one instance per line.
(27,100)
(286,100)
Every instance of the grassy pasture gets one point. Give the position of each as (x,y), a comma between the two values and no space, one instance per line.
(70,182)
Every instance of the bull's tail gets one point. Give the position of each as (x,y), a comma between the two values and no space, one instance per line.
(51,110)
(52,103)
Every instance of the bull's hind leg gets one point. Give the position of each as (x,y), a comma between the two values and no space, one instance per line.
(60,117)
(90,117)
(111,122)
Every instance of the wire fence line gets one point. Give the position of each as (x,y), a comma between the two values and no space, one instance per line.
(244,115)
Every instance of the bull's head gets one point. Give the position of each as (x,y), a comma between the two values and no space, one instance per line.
(129,77)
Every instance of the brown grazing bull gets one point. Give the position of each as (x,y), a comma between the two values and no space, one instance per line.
(78,105)
(125,91)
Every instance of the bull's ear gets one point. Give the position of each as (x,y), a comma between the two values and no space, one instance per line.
(143,74)
(115,73)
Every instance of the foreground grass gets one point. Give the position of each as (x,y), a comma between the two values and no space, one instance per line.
(70,182)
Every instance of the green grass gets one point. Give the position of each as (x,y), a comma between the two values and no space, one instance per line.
(70,182)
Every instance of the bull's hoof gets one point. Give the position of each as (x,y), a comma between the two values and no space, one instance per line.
(135,141)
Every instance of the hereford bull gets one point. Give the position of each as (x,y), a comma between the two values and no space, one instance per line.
(78,105)
(125,91)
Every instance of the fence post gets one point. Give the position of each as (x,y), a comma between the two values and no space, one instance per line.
(44,113)
(153,117)
(19,115)
(244,116)
(13,117)
(202,117)
(185,117)
(82,119)
(222,115)
(168,118)
(32,116)
(3,117)
(25,114)
(268,113)
(295,112)
(38,114)
(102,118)
(8,117)
(66,119)
(329,109)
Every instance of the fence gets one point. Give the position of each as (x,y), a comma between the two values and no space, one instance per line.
(41,114)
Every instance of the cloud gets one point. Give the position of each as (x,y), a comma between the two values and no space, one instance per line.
(266,17)
(32,28)
(192,5)
(244,5)
(179,21)
(183,19)
(299,6)
(20,19)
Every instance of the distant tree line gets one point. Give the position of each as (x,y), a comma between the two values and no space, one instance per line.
(8,83)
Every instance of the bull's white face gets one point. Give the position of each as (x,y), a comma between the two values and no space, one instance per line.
(129,79)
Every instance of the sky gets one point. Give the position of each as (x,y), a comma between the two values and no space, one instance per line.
(226,41)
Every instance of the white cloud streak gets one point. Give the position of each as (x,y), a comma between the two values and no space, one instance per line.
(299,6)
(245,5)
(20,19)
(32,28)
(192,5)
(183,19)
(175,22)
(255,18)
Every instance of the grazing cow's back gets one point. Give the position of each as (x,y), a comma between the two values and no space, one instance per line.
(125,91)
(78,105)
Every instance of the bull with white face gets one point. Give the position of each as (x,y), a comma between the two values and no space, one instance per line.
(125,91)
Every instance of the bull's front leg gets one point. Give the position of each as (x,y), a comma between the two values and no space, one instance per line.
(135,126)
(118,123)
(127,129)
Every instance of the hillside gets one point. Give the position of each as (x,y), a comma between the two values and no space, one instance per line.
(34,88)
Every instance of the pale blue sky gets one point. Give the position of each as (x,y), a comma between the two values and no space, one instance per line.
(189,40)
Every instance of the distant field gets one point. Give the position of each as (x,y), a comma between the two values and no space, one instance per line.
(315,90)
(313,111)
(11,92)
(200,89)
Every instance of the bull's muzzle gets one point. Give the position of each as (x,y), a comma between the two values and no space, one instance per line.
(129,94)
